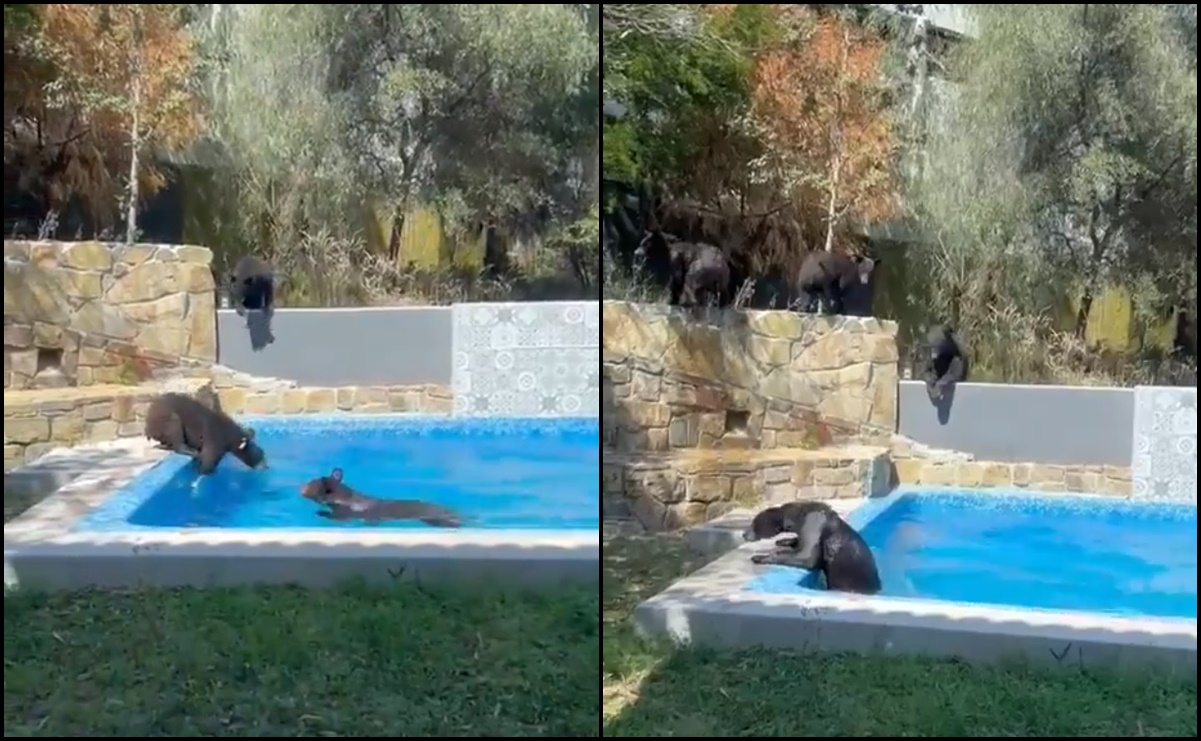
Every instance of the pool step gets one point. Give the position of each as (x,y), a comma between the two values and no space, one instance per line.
(681,488)
(39,420)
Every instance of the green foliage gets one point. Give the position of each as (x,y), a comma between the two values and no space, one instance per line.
(674,89)
(486,111)
(19,17)
(1069,151)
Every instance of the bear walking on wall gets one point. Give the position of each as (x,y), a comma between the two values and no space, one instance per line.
(833,277)
(698,274)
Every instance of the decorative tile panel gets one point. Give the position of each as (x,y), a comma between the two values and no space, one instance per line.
(1163,464)
(526,359)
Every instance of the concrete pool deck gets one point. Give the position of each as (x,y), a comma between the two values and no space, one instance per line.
(713,607)
(43,550)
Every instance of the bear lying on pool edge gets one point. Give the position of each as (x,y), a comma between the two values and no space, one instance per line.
(344,503)
(823,542)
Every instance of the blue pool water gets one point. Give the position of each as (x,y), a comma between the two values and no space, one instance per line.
(497,474)
(1058,553)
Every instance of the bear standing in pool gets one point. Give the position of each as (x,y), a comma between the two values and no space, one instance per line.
(946,362)
(344,503)
(698,274)
(252,289)
(833,277)
(824,542)
(183,425)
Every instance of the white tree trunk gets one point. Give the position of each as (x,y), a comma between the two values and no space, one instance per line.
(135,99)
(837,144)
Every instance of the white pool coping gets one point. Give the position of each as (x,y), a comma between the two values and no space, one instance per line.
(42,550)
(712,607)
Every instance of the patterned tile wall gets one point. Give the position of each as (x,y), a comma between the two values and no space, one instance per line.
(527,359)
(1164,461)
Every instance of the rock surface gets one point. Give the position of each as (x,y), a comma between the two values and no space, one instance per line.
(95,313)
(674,378)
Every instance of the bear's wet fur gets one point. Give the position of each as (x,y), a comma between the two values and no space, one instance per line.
(344,503)
(182,424)
(822,541)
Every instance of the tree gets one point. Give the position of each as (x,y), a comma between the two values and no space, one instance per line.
(100,84)
(1073,141)
(768,123)
(475,108)
(820,99)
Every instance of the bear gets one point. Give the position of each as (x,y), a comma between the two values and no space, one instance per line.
(834,277)
(823,542)
(698,274)
(344,503)
(182,424)
(945,363)
(252,289)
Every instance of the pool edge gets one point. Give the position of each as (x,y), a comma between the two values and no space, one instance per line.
(43,550)
(711,607)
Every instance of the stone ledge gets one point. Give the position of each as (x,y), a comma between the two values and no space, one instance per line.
(1112,480)
(288,399)
(39,420)
(665,491)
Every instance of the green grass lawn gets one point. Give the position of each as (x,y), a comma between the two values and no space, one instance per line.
(652,690)
(287,662)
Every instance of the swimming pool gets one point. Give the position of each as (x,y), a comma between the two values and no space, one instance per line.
(499,474)
(1064,553)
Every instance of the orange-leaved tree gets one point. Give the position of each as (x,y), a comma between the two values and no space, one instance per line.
(106,83)
(819,99)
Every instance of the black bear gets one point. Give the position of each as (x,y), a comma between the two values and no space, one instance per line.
(824,542)
(945,363)
(252,285)
(344,503)
(252,288)
(698,274)
(182,424)
(834,277)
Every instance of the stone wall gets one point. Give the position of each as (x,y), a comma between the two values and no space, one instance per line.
(241,393)
(664,491)
(83,313)
(677,378)
(36,421)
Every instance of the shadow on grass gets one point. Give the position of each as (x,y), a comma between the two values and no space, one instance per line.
(279,662)
(652,689)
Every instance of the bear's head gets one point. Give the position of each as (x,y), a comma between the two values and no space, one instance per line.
(655,246)
(940,340)
(865,266)
(248,451)
(325,489)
